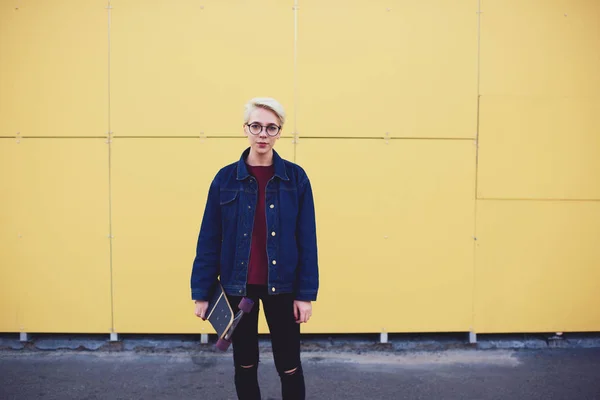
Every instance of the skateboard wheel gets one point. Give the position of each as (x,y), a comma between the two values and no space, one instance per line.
(246,305)
(222,344)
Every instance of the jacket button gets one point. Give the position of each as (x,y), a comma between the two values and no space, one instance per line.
(272,233)
(272,289)
(245,234)
(274,262)
(272,206)
(240,290)
(249,207)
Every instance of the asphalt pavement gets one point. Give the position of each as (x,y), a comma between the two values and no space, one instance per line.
(547,374)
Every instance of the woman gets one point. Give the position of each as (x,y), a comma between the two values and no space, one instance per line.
(258,236)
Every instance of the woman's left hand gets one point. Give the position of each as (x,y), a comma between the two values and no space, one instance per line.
(302,311)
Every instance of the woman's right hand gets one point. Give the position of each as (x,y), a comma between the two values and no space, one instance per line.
(201,307)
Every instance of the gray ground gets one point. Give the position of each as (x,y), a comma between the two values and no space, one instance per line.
(548,374)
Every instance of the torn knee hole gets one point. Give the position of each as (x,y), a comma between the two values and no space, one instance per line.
(291,371)
(247,366)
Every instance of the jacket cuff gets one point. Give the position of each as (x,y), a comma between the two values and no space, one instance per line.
(200,295)
(306,296)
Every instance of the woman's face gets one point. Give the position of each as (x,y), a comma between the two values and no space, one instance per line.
(262,143)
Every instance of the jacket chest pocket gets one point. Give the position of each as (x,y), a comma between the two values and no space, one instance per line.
(229,205)
(289,208)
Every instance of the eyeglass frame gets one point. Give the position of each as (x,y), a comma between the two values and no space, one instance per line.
(263,128)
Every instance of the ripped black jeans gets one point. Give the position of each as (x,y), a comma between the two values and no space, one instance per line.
(285,341)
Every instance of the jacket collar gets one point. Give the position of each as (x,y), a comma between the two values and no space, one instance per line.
(242,170)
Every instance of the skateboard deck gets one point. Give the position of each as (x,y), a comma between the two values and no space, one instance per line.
(219,312)
(221,316)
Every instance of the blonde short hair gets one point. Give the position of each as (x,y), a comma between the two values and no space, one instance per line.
(267,103)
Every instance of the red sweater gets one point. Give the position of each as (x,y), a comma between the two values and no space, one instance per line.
(258,265)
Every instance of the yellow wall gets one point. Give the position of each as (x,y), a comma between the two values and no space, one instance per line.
(453,149)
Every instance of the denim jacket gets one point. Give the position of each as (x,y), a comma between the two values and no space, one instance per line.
(223,249)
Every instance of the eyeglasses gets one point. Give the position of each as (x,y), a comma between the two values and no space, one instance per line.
(256,129)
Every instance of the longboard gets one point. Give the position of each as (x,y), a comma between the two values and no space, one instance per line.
(220,315)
